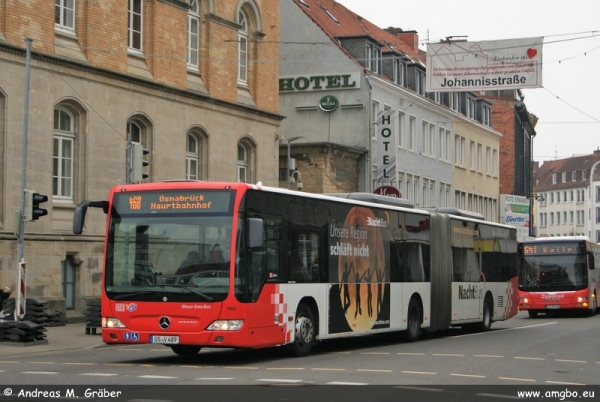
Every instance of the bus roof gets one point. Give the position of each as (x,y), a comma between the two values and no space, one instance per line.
(374,198)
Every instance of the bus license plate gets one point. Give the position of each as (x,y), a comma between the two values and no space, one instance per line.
(552,307)
(169,340)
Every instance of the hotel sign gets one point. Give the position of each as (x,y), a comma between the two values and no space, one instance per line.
(321,82)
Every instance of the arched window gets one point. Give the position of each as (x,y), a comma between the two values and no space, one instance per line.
(242,163)
(242,48)
(192,158)
(134,131)
(63,153)
(193,34)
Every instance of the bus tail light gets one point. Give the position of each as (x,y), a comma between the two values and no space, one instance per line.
(110,322)
(226,325)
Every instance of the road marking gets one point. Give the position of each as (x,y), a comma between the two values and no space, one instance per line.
(156,377)
(420,388)
(468,375)
(516,379)
(134,349)
(327,369)
(99,374)
(529,358)
(214,378)
(499,356)
(448,354)
(347,383)
(503,329)
(241,368)
(81,364)
(564,383)
(570,361)
(277,380)
(190,366)
(411,354)
(8,362)
(118,364)
(40,372)
(285,368)
(374,353)
(375,371)
(420,372)
(40,362)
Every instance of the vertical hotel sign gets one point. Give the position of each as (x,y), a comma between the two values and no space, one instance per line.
(386,146)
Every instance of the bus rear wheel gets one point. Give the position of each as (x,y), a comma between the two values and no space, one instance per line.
(486,320)
(304,334)
(186,350)
(413,321)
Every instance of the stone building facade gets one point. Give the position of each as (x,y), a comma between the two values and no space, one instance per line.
(180,77)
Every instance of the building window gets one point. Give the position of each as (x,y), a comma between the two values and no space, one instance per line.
(420,82)
(192,158)
(242,164)
(470,112)
(574,175)
(486,116)
(134,25)
(62,156)
(459,151)
(454,101)
(373,58)
(564,177)
(479,158)
(583,175)
(64,14)
(68,282)
(193,34)
(242,48)
(553,178)
(412,133)
(399,72)
(401,130)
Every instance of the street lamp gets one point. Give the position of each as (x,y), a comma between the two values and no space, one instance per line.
(289,168)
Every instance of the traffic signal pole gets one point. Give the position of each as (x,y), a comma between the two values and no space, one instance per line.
(20,296)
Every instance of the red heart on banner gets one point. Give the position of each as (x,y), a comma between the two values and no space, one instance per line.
(531,53)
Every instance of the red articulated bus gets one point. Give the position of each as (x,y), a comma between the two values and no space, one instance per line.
(204,264)
(557,274)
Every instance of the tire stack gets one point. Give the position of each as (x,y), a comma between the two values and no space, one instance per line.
(93,317)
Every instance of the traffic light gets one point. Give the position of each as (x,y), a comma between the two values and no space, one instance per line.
(32,205)
(138,163)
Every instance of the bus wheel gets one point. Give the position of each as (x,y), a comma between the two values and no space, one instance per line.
(304,337)
(532,313)
(186,350)
(486,321)
(413,324)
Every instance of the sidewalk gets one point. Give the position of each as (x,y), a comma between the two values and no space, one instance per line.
(66,337)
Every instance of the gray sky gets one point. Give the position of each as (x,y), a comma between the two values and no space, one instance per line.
(568,105)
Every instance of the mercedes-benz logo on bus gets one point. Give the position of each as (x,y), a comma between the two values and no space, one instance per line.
(164,322)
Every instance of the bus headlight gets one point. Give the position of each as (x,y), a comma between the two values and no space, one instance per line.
(524,300)
(110,322)
(226,325)
(581,299)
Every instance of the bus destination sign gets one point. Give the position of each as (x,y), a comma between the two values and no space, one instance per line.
(173,201)
(551,248)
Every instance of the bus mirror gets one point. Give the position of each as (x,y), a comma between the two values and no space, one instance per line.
(80,211)
(255,232)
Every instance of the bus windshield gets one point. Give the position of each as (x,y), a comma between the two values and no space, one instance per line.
(553,272)
(154,254)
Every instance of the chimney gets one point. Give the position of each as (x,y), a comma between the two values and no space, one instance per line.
(411,38)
